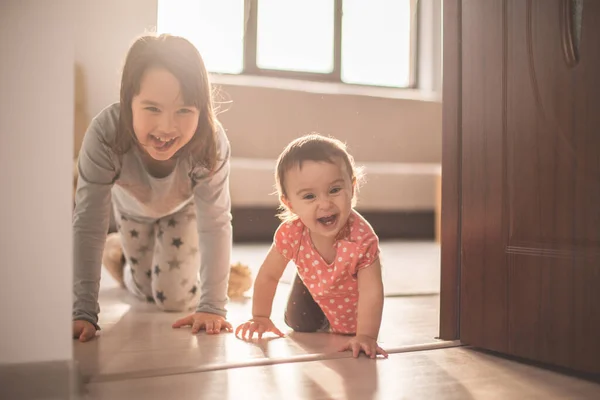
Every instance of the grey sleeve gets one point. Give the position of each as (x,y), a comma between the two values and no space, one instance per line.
(213,209)
(97,173)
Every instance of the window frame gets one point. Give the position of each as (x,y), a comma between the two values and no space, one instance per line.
(250,49)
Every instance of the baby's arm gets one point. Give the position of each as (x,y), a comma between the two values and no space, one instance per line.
(370,308)
(370,300)
(265,287)
(266,283)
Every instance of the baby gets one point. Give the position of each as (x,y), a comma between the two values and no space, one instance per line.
(338,286)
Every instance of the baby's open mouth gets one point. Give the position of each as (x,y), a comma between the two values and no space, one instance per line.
(328,220)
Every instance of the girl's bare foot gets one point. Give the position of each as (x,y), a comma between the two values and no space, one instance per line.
(113,258)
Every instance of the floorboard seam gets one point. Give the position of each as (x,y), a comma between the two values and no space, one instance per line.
(263,362)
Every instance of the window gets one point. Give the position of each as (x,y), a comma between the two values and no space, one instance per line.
(295,35)
(365,42)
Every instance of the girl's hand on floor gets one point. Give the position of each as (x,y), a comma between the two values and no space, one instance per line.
(83,330)
(260,325)
(212,323)
(365,343)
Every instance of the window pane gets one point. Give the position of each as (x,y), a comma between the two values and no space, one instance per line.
(295,35)
(216,28)
(376,42)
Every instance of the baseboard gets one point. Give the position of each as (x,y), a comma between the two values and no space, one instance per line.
(258,224)
(41,380)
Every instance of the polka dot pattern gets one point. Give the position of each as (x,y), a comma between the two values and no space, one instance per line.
(334,285)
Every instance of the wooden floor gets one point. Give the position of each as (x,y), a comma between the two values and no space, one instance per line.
(455,373)
(136,339)
(139,355)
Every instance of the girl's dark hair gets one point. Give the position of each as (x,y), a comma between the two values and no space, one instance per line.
(313,147)
(182,59)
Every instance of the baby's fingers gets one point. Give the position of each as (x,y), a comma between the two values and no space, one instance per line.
(370,349)
(382,352)
(345,347)
(253,328)
(260,330)
(355,349)
(240,328)
(276,331)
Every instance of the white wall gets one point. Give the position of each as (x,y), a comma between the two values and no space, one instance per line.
(104,30)
(36,131)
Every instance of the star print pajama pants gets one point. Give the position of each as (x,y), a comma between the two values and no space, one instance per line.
(162,260)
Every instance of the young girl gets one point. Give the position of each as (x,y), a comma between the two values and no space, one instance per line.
(162,158)
(338,286)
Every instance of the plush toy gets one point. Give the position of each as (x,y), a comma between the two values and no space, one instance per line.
(240,277)
(240,280)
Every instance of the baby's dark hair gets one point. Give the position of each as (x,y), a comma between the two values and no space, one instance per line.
(313,147)
(181,58)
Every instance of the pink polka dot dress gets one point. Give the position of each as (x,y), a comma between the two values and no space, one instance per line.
(334,287)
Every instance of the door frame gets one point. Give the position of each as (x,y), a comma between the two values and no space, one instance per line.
(451,171)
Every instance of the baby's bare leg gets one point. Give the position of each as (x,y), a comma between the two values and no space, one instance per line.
(302,313)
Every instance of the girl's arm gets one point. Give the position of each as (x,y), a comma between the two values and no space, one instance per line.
(370,300)
(213,211)
(91,217)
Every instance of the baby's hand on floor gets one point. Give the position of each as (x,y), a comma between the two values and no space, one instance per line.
(365,343)
(260,325)
(83,330)
(212,323)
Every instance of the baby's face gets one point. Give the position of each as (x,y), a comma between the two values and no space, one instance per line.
(320,194)
(162,123)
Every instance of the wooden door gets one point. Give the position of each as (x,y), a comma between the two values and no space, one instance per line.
(526,128)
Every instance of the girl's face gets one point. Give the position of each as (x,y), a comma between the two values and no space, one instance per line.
(162,123)
(320,194)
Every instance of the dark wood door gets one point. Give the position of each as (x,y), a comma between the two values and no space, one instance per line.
(529,125)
